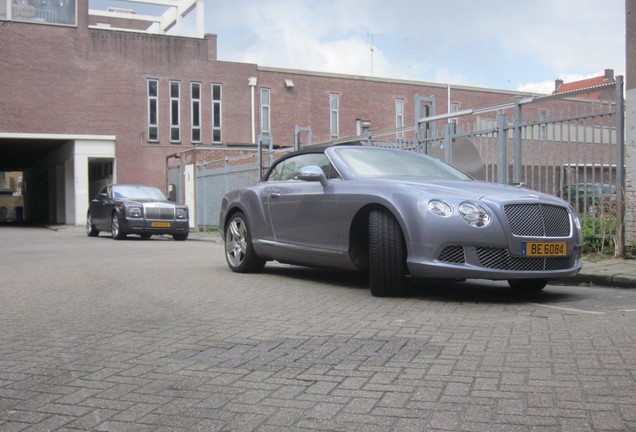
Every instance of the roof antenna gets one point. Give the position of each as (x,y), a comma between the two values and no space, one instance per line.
(372,47)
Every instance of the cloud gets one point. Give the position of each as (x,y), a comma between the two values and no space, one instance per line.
(548,86)
(497,44)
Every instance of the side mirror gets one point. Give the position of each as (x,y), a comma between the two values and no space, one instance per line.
(312,173)
(102,197)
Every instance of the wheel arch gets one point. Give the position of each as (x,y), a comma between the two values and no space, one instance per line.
(359,233)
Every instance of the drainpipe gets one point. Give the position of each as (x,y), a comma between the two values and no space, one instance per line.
(251,81)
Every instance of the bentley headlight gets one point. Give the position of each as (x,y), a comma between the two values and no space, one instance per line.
(440,208)
(134,211)
(577,222)
(474,214)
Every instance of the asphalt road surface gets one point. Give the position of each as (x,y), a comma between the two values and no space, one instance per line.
(159,335)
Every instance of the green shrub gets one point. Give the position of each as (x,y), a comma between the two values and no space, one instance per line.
(599,234)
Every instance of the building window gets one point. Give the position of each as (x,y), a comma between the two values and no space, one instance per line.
(216,113)
(265,111)
(334,108)
(42,12)
(453,109)
(399,117)
(153,110)
(195,112)
(543,127)
(175,111)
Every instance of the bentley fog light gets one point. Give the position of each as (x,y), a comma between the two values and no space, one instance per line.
(440,208)
(474,214)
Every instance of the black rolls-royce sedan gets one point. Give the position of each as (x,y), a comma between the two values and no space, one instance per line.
(126,209)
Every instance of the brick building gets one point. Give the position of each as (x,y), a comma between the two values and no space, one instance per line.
(85,103)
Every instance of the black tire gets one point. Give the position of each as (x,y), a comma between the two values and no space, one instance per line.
(180,237)
(91,231)
(115,227)
(528,284)
(239,252)
(387,255)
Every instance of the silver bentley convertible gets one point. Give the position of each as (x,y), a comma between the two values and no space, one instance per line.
(397,215)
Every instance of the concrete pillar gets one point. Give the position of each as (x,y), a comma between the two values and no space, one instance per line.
(630,125)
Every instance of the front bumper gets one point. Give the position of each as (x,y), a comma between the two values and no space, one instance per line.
(154,227)
(488,262)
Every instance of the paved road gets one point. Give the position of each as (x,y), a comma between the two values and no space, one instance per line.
(159,335)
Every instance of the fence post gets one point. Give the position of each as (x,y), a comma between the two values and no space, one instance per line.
(448,143)
(620,169)
(517,176)
(502,141)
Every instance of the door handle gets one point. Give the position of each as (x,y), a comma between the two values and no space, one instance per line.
(275,195)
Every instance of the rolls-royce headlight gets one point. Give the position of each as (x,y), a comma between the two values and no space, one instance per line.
(182,213)
(440,208)
(134,211)
(474,214)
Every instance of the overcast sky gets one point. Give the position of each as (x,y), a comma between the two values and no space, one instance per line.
(502,44)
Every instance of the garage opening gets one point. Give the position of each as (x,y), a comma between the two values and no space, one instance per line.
(57,175)
(11,199)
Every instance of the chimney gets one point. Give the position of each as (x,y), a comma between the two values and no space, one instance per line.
(609,75)
(557,83)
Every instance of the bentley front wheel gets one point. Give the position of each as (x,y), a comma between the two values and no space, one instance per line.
(387,255)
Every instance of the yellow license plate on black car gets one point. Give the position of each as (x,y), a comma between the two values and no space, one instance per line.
(540,249)
(160,224)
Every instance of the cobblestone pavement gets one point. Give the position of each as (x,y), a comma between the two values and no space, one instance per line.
(158,335)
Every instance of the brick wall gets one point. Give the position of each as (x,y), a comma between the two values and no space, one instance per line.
(80,80)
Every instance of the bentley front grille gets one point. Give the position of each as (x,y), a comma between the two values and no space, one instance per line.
(538,220)
(500,259)
(453,254)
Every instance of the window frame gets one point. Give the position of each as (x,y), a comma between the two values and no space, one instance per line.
(334,115)
(195,112)
(217,112)
(266,111)
(153,102)
(41,15)
(399,117)
(284,170)
(175,111)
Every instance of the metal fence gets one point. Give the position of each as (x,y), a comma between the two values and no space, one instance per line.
(559,144)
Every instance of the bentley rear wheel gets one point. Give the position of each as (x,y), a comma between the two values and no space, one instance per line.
(387,255)
(239,251)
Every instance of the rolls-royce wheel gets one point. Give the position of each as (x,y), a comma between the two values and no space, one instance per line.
(181,236)
(91,231)
(115,228)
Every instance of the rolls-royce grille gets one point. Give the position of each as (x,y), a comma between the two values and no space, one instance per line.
(159,212)
(453,254)
(538,220)
(500,259)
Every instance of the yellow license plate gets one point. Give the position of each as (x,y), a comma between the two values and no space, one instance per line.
(161,224)
(544,249)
